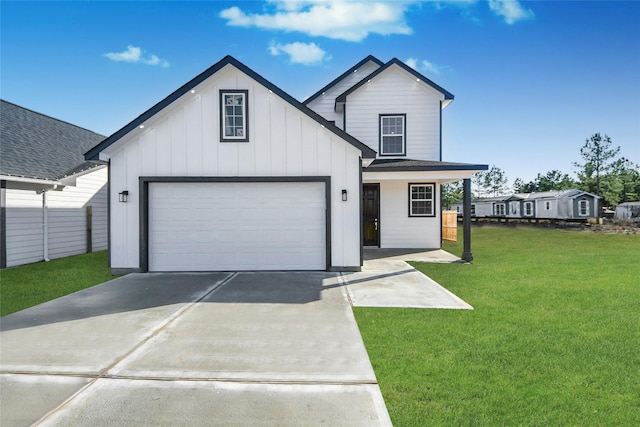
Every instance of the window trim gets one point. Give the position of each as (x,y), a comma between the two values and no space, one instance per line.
(524,208)
(245,94)
(433,199)
(586,207)
(404,135)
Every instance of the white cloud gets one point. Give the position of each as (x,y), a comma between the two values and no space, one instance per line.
(511,10)
(424,66)
(340,19)
(136,55)
(301,53)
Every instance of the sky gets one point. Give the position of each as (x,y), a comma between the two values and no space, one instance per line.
(532,80)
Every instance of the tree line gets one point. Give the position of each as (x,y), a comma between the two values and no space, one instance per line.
(602,171)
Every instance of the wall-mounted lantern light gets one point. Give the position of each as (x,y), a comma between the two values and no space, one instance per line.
(344,195)
(122,197)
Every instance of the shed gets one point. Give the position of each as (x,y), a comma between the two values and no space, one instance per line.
(628,211)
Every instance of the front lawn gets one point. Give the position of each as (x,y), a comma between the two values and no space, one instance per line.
(28,285)
(554,338)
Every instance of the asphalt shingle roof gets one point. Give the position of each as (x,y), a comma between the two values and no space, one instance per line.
(34,145)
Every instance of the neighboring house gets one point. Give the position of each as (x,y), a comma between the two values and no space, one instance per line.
(231,173)
(53,203)
(561,204)
(628,211)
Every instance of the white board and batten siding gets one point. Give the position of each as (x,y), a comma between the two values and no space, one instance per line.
(183,140)
(396,92)
(325,104)
(67,220)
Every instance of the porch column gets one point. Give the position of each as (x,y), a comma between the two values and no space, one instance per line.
(467,256)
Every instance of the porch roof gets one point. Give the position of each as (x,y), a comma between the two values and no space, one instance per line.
(409,165)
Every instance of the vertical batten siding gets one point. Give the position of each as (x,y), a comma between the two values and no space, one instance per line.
(325,104)
(184,140)
(396,92)
(397,229)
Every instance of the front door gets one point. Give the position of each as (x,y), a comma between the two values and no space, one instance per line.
(370,214)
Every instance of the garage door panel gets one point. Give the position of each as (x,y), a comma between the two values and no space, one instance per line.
(237,226)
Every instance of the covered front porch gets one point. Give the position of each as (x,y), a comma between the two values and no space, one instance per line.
(402,206)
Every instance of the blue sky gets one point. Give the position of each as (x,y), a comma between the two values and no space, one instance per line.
(532,80)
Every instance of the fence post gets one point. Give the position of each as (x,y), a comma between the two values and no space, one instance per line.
(89,229)
(466,221)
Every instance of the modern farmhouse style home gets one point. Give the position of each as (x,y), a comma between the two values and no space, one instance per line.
(231,173)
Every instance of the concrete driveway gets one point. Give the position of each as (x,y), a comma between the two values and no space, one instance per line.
(191,349)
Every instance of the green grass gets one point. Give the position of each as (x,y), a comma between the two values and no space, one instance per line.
(29,285)
(554,339)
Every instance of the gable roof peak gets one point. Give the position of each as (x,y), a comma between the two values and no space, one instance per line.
(94,153)
(448,96)
(368,58)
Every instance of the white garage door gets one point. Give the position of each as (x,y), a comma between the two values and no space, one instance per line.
(237,226)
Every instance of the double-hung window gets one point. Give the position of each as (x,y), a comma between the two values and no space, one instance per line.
(583,207)
(393,134)
(528,208)
(234,116)
(422,200)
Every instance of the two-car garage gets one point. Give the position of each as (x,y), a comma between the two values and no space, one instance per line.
(219,225)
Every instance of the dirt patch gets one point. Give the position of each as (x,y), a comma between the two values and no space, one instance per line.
(617,227)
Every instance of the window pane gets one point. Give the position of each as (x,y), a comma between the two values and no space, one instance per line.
(392,144)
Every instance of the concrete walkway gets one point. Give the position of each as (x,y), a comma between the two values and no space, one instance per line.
(386,280)
(191,349)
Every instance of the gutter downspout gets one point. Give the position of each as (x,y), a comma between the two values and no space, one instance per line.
(45,226)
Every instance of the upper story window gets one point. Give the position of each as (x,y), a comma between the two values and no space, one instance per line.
(422,200)
(393,134)
(234,116)
(583,207)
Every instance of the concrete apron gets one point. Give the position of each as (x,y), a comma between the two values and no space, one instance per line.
(191,349)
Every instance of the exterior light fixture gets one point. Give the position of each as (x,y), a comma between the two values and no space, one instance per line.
(141,126)
(344,195)
(193,91)
(122,197)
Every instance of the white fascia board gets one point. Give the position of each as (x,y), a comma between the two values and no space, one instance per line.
(34,181)
(71,179)
(441,177)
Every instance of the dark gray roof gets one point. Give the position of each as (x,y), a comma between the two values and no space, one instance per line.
(33,145)
(398,165)
(94,153)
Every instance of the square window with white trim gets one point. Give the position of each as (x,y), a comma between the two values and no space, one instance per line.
(422,200)
(392,134)
(234,116)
